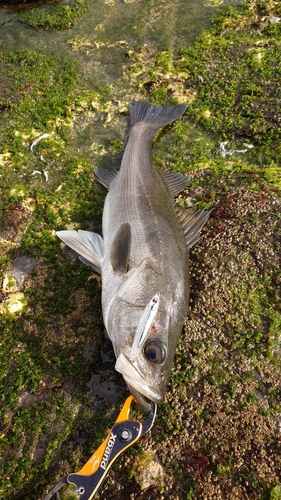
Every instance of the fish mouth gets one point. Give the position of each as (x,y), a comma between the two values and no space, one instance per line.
(141,391)
(143,403)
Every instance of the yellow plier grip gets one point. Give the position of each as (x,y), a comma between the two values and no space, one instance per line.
(123,434)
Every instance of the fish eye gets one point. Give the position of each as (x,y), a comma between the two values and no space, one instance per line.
(154,351)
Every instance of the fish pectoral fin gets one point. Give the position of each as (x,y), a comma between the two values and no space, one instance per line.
(176,181)
(192,222)
(87,244)
(121,247)
(90,264)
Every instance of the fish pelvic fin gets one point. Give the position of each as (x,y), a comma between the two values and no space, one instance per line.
(121,247)
(192,222)
(157,115)
(88,245)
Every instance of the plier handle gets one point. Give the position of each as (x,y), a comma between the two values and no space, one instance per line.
(122,435)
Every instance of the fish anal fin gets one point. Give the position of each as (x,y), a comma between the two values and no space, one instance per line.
(176,181)
(121,247)
(87,244)
(192,221)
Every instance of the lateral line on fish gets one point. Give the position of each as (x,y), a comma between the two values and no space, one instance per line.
(131,183)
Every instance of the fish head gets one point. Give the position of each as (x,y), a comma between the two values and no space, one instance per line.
(144,325)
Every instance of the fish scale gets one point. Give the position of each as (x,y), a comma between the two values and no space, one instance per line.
(144,254)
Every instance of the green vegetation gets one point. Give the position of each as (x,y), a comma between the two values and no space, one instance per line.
(220,418)
(42,344)
(275,493)
(37,100)
(61,16)
(230,78)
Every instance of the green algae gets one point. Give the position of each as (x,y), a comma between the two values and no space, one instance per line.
(62,16)
(36,101)
(275,493)
(41,97)
(62,298)
(230,78)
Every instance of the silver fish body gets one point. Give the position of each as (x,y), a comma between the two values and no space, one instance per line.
(143,258)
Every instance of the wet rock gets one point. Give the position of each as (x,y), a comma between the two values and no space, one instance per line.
(107,353)
(27,399)
(13,299)
(68,384)
(89,349)
(150,472)
(103,386)
(13,304)
(21,268)
(40,449)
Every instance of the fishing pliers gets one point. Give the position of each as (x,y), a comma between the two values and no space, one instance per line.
(122,435)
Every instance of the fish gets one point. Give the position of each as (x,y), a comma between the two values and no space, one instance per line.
(143,257)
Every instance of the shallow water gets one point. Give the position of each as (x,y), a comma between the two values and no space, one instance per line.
(103,34)
(100,42)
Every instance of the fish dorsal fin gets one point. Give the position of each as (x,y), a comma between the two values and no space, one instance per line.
(105,178)
(176,181)
(88,245)
(192,222)
(121,247)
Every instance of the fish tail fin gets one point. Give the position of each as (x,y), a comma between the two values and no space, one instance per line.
(157,115)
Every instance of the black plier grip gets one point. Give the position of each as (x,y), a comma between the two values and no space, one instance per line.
(122,435)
